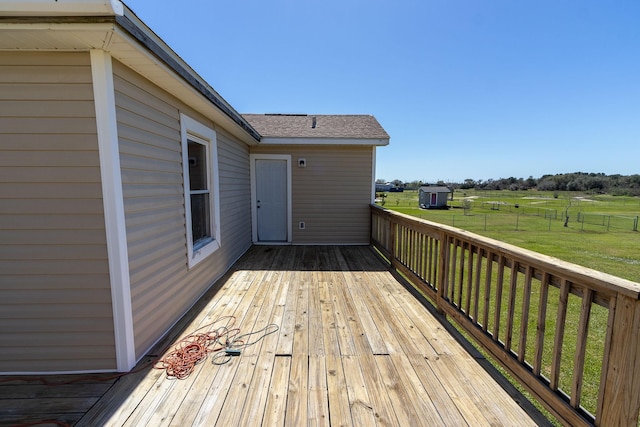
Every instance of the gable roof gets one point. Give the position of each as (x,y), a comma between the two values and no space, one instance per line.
(435,189)
(318,129)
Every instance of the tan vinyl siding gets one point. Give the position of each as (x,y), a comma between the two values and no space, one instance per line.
(162,287)
(55,299)
(235,191)
(331,194)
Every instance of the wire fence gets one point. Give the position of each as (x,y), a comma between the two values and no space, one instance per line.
(507,207)
(608,221)
(546,221)
(521,209)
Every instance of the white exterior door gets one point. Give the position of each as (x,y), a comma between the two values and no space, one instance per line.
(271,198)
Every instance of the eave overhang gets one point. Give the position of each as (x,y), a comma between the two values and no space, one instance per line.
(130,41)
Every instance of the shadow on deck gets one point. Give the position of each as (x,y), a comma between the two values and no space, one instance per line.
(353,347)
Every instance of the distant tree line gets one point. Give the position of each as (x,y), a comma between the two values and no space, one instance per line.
(628,185)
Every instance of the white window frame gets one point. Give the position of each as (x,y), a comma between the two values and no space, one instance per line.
(195,131)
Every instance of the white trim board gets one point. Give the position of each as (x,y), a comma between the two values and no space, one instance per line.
(192,129)
(113,202)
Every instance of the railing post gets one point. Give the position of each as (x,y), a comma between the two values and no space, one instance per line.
(619,401)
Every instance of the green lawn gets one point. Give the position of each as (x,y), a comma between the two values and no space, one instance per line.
(605,241)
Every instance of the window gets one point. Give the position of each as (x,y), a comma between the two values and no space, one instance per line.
(201,191)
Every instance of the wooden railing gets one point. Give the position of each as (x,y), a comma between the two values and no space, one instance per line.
(570,335)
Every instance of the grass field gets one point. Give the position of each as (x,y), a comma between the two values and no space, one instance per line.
(604,240)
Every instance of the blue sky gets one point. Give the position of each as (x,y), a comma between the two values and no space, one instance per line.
(479,89)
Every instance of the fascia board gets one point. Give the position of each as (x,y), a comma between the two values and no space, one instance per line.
(61,8)
(139,34)
(323,141)
(184,90)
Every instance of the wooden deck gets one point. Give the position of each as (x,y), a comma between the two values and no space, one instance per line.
(353,347)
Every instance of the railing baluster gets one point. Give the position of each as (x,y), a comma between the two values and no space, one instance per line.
(452,266)
(416,252)
(405,247)
(392,241)
(437,248)
(426,259)
(405,244)
(542,322)
(461,273)
(439,251)
(512,304)
(390,233)
(419,253)
(400,245)
(383,232)
(408,254)
(499,286)
(581,347)
(470,274)
(524,323)
(559,336)
(430,254)
(605,360)
(476,301)
(487,291)
(444,257)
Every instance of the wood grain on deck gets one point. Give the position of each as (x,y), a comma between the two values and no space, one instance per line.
(353,348)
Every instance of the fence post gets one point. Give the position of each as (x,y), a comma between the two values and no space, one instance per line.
(619,400)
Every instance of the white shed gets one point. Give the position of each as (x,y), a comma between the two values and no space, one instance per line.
(433,197)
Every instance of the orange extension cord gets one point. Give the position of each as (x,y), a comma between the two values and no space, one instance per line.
(178,363)
(195,347)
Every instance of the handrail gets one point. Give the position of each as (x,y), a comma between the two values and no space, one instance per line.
(529,311)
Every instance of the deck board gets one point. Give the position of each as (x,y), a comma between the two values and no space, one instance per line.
(378,396)
(275,408)
(353,347)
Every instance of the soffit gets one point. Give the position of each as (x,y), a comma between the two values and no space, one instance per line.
(26,35)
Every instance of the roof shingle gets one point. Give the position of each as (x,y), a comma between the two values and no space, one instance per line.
(317,126)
